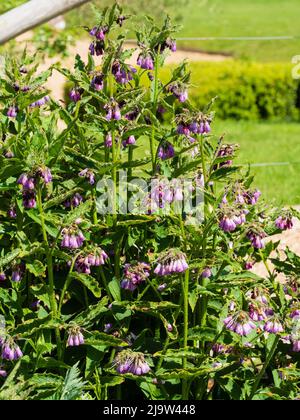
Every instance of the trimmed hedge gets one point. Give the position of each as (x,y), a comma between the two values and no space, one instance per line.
(245,90)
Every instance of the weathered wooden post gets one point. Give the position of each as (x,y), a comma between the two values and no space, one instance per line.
(31,14)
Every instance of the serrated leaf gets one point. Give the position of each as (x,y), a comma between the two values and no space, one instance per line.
(30,327)
(89,282)
(96,338)
(92,314)
(36,268)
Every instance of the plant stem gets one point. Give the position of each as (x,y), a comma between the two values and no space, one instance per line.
(166,345)
(51,288)
(185,291)
(67,284)
(114,177)
(95,216)
(130,156)
(203,161)
(105,283)
(48,253)
(154,109)
(266,364)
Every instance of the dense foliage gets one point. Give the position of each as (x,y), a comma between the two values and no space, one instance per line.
(248,91)
(159,303)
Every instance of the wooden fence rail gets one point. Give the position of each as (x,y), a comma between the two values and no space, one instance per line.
(31,14)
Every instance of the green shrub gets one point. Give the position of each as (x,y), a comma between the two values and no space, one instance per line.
(245,90)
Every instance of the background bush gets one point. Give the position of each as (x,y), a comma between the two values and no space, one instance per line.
(245,90)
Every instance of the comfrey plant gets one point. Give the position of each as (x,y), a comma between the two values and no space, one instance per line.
(159,302)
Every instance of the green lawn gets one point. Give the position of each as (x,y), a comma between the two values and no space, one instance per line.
(263,142)
(202,18)
(244,18)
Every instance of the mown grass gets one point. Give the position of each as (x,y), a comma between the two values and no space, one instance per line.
(244,18)
(268,143)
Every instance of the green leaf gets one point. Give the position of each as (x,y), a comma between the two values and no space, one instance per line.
(96,338)
(179,353)
(143,306)
(92,314)
(60,198)
(78,212)
(89,282)
(30,327)
(72,386)
(201,334)
(111,380)
(224,172)
(115,289)
(51,230)
(188,373)
(37,268)
(11,256)
(193,299)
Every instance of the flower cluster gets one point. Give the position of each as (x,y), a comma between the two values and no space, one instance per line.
(166,151)
(226,151)
(145,61)
(256,237)
(240,323)
(96,258)
(128,361)
(134,274)
(12,111)
(40,102)
(97,82)
(75,201)
(251,197)
(89,175)
(179,91)
(75,337)
(29,181)
(129,141)
(122,72)
(259,311)
(73,238)
(10,350)
(17,272)
(172,261)
(97,46)
(162,194)
(112,109)
(230,223)
(231,217)
(187,126)
(284,222)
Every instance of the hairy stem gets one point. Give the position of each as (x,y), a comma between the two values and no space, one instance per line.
(266,364)
(51,288)
(154,109)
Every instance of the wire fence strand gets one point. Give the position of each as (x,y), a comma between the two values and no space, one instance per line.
(236,38)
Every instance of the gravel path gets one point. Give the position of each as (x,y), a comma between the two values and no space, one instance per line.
(290,238)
